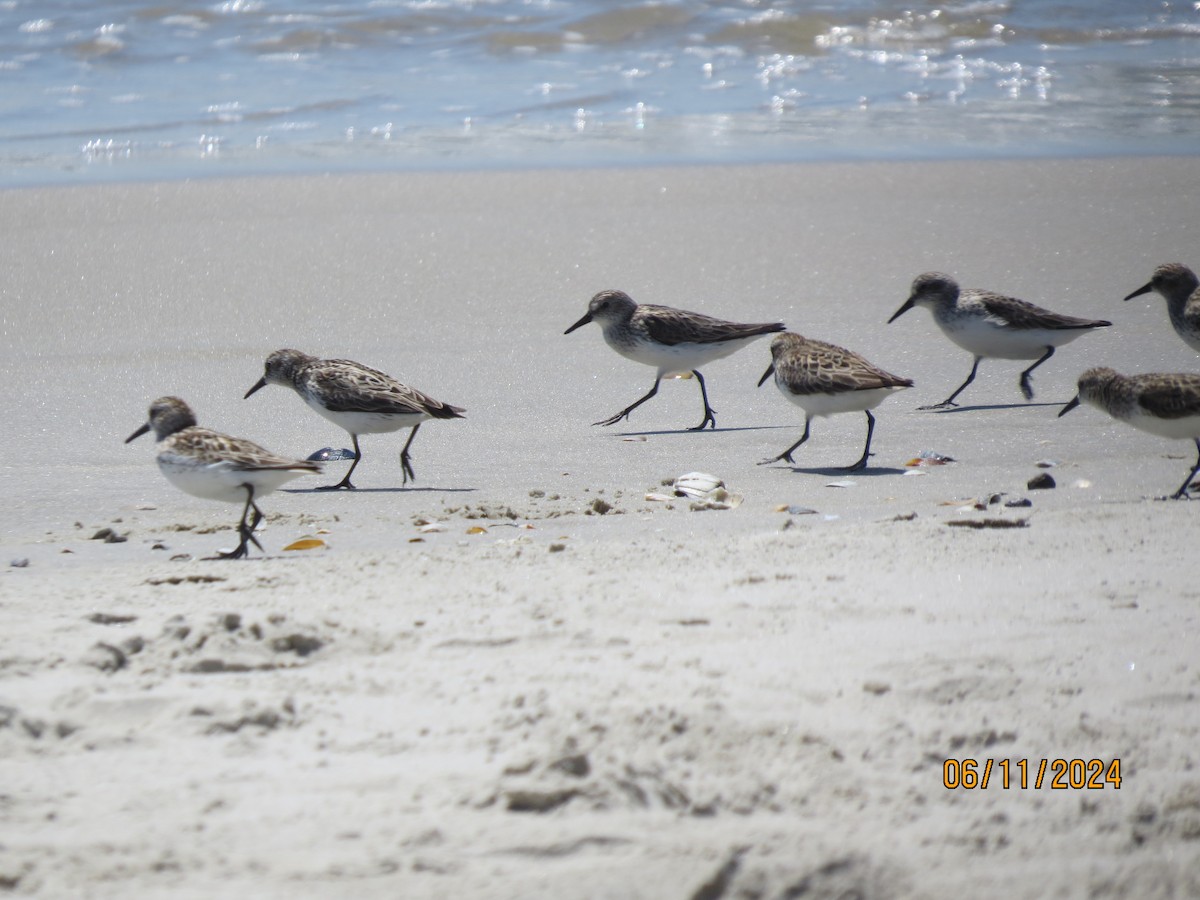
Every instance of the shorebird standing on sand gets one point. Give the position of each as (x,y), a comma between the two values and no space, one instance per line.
(824,379)
(990,325)
(674,341)
(1166,405)
(1179,286)
(215,466)
(357,398)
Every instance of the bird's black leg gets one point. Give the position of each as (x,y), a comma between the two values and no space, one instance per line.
(345,482)
(1182,493)
(624,414)
(949,401)
(787,454)
(245,534)
(862,463)
(258,517)
(405,463)
(1026,386)
(709,412)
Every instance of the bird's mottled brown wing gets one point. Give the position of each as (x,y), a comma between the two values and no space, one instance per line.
(348,386)
(827,368)
(1174,399)
(213,446)
(676,326)
(1022,314)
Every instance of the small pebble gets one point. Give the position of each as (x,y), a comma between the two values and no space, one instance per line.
(21,563)
(1020,501)
(1041,482)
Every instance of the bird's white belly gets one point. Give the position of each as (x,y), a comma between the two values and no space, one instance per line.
(1185,427)
(220,480)
(989,338)
(369,422)
(675,359)
(846,401)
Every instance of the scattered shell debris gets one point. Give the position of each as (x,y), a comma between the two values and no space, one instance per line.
(1081,483)
(309,543)
(696,484)
(476,529)
(843,483)
(1046,463)
(989,523)
(706,491)
(331,454)
(794,510)
(637,439)
(929,458)
(109,536)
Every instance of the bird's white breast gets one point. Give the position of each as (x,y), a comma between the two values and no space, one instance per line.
(220,480)
(844,401)
(368,422)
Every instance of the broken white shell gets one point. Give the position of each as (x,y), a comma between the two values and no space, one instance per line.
(697,484)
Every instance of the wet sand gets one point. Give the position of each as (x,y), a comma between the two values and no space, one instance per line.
(566,688)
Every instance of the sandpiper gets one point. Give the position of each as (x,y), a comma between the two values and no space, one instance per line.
(674,341)
(1178,285)
(992,325)
(824,379)
(215,466)
(357,398)
(1167,405)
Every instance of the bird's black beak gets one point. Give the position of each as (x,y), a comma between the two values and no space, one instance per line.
(138,433)
(1070,406)
(586,318)
(908,304)
(767,374)
(262,383)
(1144,289)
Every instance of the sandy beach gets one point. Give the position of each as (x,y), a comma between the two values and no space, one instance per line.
(525,676)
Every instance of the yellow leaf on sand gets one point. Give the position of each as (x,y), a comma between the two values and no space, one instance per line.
(305,544)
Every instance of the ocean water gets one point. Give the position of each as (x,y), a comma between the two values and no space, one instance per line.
(124,90)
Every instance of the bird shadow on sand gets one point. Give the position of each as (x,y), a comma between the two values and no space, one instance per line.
(842,471)
(994,406)
(382,490)
(668,431)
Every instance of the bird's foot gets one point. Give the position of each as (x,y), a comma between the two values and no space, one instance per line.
(613,420)
(782,457)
